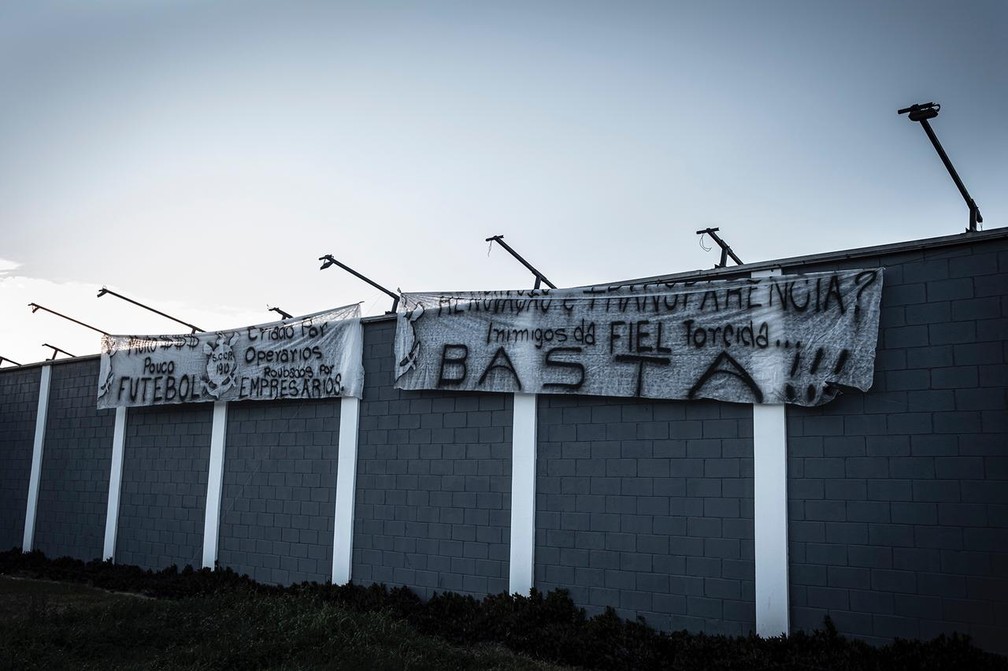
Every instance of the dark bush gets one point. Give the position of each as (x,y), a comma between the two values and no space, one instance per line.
(549,627)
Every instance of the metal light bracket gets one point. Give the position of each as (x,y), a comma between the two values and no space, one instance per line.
(282,313)
(57,350)
(726,251)
(920,113)
(540,278)
(35,307)
(328,261)
(103,291)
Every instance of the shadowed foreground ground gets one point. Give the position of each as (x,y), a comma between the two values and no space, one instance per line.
(53,625)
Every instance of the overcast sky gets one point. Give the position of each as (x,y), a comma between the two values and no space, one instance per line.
(201,156)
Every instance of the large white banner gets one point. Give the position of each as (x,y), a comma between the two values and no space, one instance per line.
(790,339)
(317,356)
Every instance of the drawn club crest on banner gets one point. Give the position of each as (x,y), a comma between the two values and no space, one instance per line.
(797,339)
(317,356)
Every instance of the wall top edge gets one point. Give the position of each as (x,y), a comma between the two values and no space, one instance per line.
(731,272)
(965,238)
(51,362)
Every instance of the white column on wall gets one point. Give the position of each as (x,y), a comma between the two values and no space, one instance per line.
(346,489)
(27,544)
(770,515)
(115,484)
(215,483)
(523,481)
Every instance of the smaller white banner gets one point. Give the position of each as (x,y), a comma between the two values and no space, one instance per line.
(312,357)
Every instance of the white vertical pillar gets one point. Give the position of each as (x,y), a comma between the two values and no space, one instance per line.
(115,484)
(27,544)
(770,515)
(523,481)
(215,483)
(346,490)
(770,519)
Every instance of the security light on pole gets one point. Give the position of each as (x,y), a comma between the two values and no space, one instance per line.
(539,277)
(57,350)
(726,250)
(35,307)
(328,261)
(103,291)
(282,313)
(920,113)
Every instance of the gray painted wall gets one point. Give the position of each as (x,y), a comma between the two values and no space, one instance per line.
(648,507)
(19,389)
(433,483)
(279,490)
(73,491)
(163,501)
(898,496)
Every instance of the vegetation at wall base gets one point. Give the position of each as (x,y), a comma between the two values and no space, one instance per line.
(546,627)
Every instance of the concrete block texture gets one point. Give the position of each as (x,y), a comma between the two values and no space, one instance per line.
(654,515)
(279,490)
(902,529)
(166,457)
(897,497)
(19,389)
(433,499)
(73,490)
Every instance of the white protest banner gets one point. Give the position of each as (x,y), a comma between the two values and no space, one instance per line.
(317,356)
(789,339)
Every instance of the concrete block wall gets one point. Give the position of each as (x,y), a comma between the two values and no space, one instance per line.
(279,489)
(19,389)
(73,490)
(897,515)
(433,496)
(899,497)
(164,484)
(648,507)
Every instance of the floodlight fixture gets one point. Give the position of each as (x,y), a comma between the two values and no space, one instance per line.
(540,278)
(57,350)
(726,250)
(35,307)
(328,261)
(283,314)
(104,290)
(920,113)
